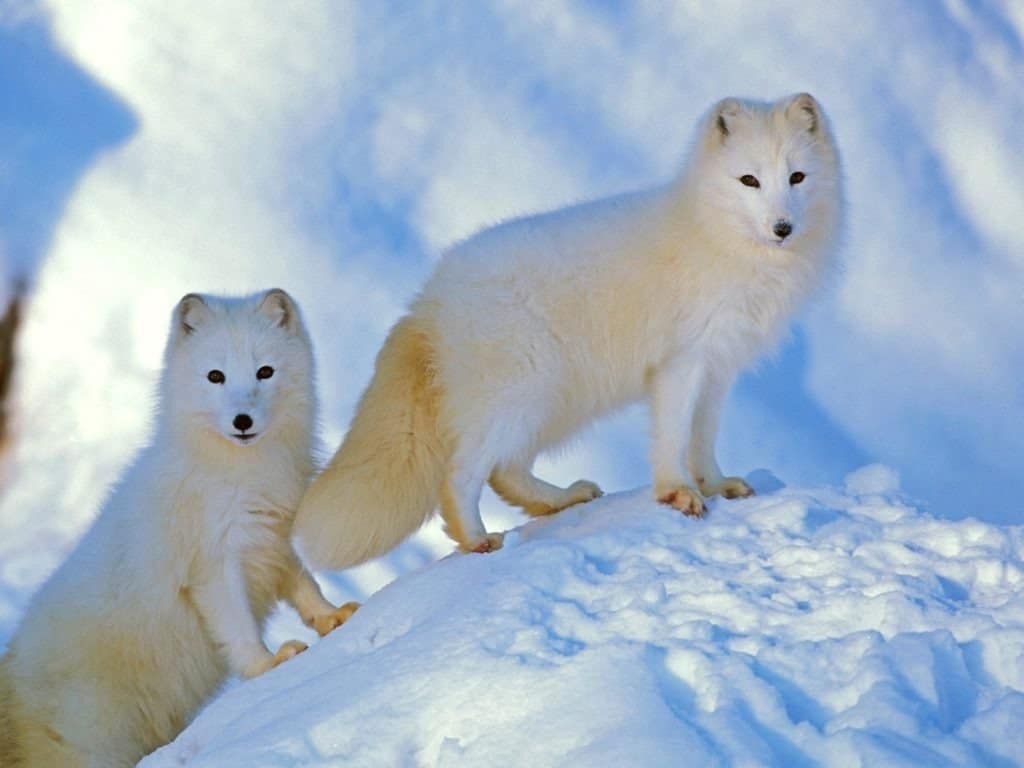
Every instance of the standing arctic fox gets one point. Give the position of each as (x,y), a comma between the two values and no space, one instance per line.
(167,592)
(531,329)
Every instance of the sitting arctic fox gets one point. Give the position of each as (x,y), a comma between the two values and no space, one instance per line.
(166,594)
(528,331)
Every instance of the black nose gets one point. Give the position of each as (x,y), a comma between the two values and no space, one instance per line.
(242,422)
(782,228)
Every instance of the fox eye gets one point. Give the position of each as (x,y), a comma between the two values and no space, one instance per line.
(797,177)
(749,181)
(215,377)
(265,372)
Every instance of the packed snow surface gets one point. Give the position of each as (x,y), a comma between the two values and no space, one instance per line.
(836,627)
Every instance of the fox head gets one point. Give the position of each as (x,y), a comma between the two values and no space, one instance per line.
(768,173)
(238,369)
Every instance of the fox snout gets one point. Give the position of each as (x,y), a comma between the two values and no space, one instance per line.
(782,228)
(243,423)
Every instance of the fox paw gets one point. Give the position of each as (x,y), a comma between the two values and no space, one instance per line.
(728,488)
(583,491)
(579,492)
(489,542)
(685,499)
(287,651)
(325,623)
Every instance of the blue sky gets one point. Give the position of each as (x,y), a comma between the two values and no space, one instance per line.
(147,150)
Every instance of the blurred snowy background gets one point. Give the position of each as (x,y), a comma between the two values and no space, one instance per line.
(148,149)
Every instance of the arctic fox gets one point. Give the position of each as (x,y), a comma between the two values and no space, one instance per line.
(167,592)
(529,330)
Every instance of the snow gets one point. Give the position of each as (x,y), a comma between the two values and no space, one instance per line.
(805,626)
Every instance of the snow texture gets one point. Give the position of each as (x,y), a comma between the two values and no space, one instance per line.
(801,627)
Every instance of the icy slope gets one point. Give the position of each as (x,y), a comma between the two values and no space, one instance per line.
(801,627)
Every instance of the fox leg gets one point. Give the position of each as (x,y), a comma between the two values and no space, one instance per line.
(517,485)
(224,606)
(464,480)
(702,461)
(84,728)
(673,392)
(314,609)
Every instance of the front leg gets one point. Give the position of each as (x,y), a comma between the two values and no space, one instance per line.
(224,607)
(703,465)
(673,392)
(314,609)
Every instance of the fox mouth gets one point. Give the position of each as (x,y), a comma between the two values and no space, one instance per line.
(245,437)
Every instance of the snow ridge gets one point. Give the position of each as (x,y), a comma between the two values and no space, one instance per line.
(802,627)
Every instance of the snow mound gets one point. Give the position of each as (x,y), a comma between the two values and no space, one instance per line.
(801,627)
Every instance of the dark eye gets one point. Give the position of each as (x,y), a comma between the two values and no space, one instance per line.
(749,181)
(265,372)
(215,377)
(797,177)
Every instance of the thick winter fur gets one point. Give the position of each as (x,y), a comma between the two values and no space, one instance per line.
(531,329)
(167,592)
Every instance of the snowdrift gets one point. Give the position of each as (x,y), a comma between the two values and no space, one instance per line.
(835,627)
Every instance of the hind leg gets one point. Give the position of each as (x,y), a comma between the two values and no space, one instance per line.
(460,508)
(517,485)
(43,746)
(92,720)
(467,471)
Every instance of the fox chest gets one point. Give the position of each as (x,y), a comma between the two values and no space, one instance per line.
(742,322)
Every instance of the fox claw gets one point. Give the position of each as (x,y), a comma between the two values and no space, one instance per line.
(328,622)
(288,650)
(686,500)
(491,542)
(728,488)
(584,490)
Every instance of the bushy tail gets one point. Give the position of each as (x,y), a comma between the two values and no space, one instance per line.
(384,481)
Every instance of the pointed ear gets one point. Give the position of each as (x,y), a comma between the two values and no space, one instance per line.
(803,110)
(281,308)
(723,117)
(190,313)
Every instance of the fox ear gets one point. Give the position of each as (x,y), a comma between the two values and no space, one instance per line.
(190,313)
(803,110)
(281,308)
(724,114)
